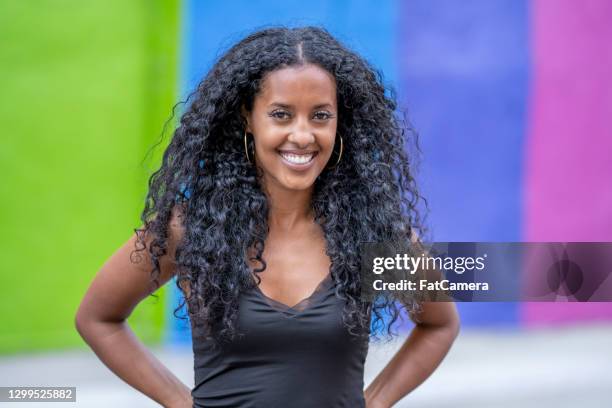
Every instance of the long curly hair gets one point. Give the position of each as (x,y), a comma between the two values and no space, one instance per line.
(370,196)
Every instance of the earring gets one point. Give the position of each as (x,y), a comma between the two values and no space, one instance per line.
(339,154)
(246,148)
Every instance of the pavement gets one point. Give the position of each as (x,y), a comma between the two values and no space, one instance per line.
(560,367)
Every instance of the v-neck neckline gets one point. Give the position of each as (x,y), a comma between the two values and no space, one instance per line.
(294,310)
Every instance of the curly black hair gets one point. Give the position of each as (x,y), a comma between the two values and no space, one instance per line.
(370,196)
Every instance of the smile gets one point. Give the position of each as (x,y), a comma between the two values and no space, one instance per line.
(298,161)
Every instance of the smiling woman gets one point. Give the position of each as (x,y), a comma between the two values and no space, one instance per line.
(292,156)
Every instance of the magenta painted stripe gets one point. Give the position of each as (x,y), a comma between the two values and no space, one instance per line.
(568,182)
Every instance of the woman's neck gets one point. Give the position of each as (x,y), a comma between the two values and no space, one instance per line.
(288,209)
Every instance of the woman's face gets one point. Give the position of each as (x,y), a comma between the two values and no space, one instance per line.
(293,122)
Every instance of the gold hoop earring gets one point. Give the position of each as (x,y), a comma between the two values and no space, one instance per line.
(246,148)
(339,154)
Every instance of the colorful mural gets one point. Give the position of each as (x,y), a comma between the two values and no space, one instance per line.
(512,100)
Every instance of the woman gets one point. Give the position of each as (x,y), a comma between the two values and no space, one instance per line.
(288,158)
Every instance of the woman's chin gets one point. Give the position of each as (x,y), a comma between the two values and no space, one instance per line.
(299,182)
(298,185)
(291,180)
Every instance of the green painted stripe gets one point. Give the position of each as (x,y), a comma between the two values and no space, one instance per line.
(86,89)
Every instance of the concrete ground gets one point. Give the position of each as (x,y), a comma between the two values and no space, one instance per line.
(564,367)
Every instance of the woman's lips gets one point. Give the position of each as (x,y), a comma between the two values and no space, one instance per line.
(298,161)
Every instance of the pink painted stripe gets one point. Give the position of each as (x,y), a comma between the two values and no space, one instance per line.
(568,173)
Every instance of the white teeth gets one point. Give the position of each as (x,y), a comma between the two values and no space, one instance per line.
(297,158)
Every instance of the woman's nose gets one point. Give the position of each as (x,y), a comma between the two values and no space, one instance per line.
(301,135)
(302,138)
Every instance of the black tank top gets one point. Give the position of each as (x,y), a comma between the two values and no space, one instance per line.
(300,356)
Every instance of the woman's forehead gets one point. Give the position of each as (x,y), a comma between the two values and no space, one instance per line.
(298,82)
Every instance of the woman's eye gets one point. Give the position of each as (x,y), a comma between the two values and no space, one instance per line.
(280,114)
(283,115)
(322,115)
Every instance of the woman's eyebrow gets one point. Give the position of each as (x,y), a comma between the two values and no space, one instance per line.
(281,105)
(286,106)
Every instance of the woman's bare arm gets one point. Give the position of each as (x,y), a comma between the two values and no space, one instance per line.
(101,320)
(421,353)
(437,326)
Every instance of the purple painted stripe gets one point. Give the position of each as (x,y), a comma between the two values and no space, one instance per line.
(464,70)
(568,183)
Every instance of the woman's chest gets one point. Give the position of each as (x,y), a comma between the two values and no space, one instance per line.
(294,267)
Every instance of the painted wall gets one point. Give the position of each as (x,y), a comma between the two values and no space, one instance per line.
(465,77)
(86,87)
(511,99)
(568,156)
